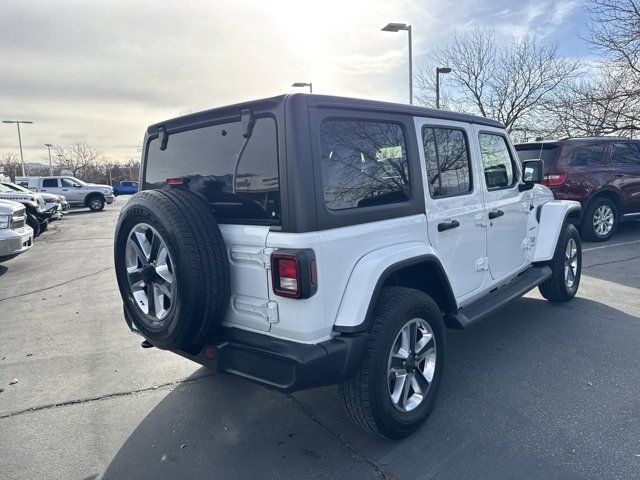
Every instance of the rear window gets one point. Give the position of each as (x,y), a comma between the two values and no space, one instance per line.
(586,155)
(50,182)
(534,151)
(207,156)
(363,164)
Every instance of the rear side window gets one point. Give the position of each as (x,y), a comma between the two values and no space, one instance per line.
(207,156)
(499,171)
(447,157)
(586,155)
(625,155)
(363,164)
(49,182)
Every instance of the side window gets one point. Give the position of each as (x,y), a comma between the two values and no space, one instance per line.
(67,182)
(447,157)
(586,155)
(363,164)
(49,183)
(499,170)
(625,155)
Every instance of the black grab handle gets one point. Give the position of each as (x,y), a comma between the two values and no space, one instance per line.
(448,225)
(495,214)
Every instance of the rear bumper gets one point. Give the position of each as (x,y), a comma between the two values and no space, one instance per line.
(279,364)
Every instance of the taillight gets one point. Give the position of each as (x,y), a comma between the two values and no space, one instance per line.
(293,273)
(554,180)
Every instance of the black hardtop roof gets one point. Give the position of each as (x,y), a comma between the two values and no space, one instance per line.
(314,100)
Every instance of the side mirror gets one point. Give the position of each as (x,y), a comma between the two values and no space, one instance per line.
(77,186)
(532,173)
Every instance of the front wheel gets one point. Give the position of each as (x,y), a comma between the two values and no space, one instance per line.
(96,204)
(33,222)
(395,389)
(567,267)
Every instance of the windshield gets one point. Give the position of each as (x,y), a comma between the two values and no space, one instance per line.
(18,188)
(75,180)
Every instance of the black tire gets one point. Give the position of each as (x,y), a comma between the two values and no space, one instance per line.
(96,203)
(33,222)
(555,289)
(44,226)
(200,266)
(587,228)
(366,396)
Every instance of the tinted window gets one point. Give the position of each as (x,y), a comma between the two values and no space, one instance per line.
(49,182)
(363,164)
(447,157)
(625,154)
(586,155)
(533,151)
(496,160)
(207,156)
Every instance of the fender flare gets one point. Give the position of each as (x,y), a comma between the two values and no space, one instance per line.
(552,216)
(91,195)
(356,316)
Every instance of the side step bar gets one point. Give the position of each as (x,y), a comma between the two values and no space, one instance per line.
(468,317)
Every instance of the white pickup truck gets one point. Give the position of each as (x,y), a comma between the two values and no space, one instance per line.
(16,236)
(77,192)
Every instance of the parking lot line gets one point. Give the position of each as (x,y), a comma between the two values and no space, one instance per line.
(609,246)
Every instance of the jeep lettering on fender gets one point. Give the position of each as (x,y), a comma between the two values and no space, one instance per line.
(308,240)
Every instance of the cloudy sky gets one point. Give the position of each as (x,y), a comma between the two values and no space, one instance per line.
(101,72)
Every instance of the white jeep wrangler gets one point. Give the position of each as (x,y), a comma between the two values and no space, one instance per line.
(308,240)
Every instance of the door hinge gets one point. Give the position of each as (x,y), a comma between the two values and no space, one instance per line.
(481,220)
(252,255)
(482,264)
(267,309)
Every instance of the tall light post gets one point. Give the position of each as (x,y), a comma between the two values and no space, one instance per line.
(396,27)
(48,145)
(440,70)
(18,122)
(304,84)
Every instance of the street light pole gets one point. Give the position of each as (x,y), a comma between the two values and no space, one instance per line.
(48,145)
(18,122)
(396,27)
(440,70)
(304,84)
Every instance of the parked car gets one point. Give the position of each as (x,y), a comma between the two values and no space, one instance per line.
(38,215)
(77,192)
(16,236)
(602,173)
(50,200)
(307,240)
(125,188)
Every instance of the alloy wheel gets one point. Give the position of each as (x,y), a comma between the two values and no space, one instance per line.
(603,220)
(571,263)
(412,364)
(150,271)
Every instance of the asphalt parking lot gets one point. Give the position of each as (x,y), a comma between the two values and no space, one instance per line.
(538,391)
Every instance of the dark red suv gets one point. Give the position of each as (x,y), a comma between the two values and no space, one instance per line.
(602,173)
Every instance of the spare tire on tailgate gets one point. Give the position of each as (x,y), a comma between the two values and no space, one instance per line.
(172,267)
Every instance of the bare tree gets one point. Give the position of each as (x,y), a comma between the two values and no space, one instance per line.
(594,106)
(509,83)
(10,165)
(615,31)
(77,158)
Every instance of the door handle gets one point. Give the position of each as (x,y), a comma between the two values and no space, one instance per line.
(495,214)
(448,225)
(65,189)
(619,175)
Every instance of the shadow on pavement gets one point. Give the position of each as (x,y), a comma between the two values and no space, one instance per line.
(518,397)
